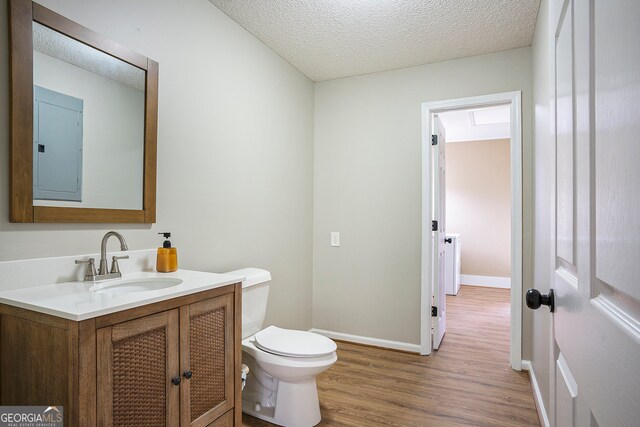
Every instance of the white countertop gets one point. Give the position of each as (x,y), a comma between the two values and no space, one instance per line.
(75,300)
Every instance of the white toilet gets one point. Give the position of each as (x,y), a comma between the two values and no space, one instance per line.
(283,363)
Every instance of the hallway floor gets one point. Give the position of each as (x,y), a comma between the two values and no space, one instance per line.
(467,382)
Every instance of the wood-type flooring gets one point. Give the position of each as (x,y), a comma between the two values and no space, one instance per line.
(467,382)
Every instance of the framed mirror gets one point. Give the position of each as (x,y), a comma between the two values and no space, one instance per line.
(83,123)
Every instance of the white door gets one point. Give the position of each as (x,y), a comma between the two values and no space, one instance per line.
(439,204)
(596,323)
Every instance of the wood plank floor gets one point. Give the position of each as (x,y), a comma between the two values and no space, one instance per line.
(467,382)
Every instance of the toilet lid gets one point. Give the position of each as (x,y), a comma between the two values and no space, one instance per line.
(292,343)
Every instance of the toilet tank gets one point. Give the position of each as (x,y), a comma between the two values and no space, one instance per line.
(255,294)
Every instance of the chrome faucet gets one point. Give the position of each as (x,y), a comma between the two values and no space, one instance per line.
(114,273)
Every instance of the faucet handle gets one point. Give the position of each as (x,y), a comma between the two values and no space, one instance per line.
(90,273)
(115,268)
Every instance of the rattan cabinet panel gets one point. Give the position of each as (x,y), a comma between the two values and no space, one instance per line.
(206,358)
(136,363)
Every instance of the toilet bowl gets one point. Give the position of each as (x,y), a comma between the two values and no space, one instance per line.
(282,389)
(283,363)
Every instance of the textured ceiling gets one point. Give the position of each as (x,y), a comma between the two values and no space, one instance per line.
(57,45)
(328,39)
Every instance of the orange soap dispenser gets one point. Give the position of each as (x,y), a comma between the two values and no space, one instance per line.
(167,260)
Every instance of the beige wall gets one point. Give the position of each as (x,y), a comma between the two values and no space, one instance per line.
(368,187)
(479,204)
(537,332)
(235,149)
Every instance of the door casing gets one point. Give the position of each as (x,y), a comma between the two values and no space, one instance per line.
(514,99)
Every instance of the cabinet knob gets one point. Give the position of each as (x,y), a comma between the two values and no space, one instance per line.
(187,374)
(175,380)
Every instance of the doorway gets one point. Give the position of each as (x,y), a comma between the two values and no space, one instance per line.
(478,198)
(433,302)
(477,226)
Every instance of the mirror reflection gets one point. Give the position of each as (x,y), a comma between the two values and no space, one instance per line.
(89,110)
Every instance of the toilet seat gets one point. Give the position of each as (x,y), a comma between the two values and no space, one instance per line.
(292,343)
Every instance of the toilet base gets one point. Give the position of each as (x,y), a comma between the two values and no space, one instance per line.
(280,389)
(296,405)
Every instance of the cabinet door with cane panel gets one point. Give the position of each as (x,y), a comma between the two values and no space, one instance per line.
(206,360)
(137,372)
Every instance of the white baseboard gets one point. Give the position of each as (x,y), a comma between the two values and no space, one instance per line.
(395,345)
(537,397)
(486,281)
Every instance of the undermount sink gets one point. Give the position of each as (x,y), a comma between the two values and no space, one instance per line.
(136,285)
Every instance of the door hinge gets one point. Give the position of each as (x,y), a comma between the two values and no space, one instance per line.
(434,139)
(434,311)
(434,225)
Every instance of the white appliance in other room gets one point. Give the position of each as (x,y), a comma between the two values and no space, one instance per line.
(452,249)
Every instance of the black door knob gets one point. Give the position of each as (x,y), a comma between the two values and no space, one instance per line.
(175,380)
(448,240)
(187,374)
(535,299)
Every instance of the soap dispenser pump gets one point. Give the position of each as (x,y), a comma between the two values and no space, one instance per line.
(167,260)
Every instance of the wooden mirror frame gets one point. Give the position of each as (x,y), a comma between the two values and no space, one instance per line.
(21,15)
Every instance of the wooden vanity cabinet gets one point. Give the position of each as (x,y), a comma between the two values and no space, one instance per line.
(172,363)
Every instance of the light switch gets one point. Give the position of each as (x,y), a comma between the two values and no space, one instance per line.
(335,238)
